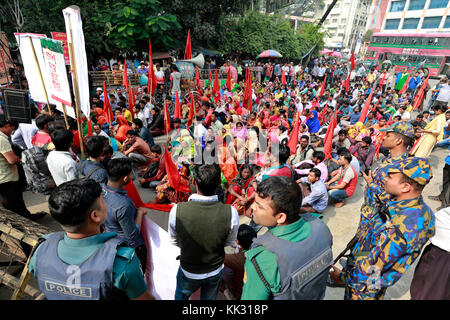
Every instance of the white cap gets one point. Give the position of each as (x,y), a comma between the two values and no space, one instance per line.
(101,89)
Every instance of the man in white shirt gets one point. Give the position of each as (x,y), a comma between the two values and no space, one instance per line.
(60,162)
(202,228)
(159,75)
(406,116)
(26,131)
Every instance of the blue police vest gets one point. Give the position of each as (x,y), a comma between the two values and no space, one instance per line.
(304,265)
(91,280)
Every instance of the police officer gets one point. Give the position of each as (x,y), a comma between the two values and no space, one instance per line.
(291,260)
(389,241)
(81,262)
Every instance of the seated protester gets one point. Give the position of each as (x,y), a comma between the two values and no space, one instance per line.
(317,161)
(273,269)
(138,110)
(108,270)
(144,133)
(42,137)
(343,184)
(233,272)
(98,131)
(405,115)
(240,189)
(304,151)
(123,217)
(136,148)
(156,127)
(278,155)
(153,181)
(315,198)
(396,119)
(61,163)
(341,141)
(364,152)
(92,167)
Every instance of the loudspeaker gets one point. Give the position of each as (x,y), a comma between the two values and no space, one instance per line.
(16,105)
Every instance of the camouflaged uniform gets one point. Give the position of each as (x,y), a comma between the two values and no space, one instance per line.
(386,249)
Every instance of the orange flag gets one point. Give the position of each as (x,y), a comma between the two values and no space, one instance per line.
(293,139)
(173,174)
(177,113)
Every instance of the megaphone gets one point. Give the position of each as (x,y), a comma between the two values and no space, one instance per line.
(198,61)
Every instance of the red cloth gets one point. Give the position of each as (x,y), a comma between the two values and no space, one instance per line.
(173,174)
(216,87)
(188,51)
(107,105)
(365,109)
(328,141)
(228,82)
(151,71)
(177,113)
(351,186)
(293,139)
(131,100)
(191,110)
(283,78)
(125,75)
(133,193)
(322,88)
(41,138)
(166,119)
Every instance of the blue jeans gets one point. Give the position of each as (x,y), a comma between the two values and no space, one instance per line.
(337,195)
(444,143)
(186,286)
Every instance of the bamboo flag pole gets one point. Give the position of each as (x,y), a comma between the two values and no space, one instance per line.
(75,86)
(40,75)
(65,115)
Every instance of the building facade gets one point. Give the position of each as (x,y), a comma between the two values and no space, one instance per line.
(345,24)
(417,16)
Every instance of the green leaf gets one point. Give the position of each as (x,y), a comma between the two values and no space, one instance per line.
(126,12)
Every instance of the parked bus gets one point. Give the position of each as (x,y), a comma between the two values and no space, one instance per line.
(411,49)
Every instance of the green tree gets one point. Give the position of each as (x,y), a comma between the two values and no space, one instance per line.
(130,23)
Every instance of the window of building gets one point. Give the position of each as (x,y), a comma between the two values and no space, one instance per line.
(431,22)
(392,24)
(417,4)
(410,23)
(397,6)
(438,4)
(447,22)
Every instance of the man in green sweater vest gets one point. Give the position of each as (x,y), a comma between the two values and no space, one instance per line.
(202,227)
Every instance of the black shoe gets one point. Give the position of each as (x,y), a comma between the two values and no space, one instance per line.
(37,216)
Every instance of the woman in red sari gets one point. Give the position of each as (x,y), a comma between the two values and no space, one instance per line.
(240,189)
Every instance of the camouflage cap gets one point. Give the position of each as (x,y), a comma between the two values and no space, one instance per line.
(403,127)
(418,169)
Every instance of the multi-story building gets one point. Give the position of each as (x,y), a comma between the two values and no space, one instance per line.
(417,16)
(345,24)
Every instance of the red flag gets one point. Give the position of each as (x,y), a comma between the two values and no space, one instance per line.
(346,84)
(228,82)
(197,79)
(89,127)
(420,94)
(383,133)
(365,109)
(293,139)
(283,78)
(131,100)
(376,105)
(125,75)
(405,85)
(187,51)
(166,119)
(352,61)
(328,141)
(216,87)
(151,71)
(177,113)
(323,113)
(208,117)
(322,89)
(173,174)
(134,195)
(248,92)
(107,105)
(191,110)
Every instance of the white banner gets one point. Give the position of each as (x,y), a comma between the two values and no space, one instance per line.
(53,54)
(75,36)
(37,91)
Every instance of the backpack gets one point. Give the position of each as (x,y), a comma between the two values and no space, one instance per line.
(36,170)
(152,170)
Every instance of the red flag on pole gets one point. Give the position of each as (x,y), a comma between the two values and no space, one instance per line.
(187,51)
(347,82)
(328,141)
(365,109)
(173,174)
(322,114)
(419,96)
(352,61)
(191,110)
(131,100)
(209,77)
(151,71)
(125,74)
(216,87)
(107,105)
(283,78)
(322,88)
(405,85)
(134,195)
(177,113)
(197,79)
(89,127)
(228,82)
(293,138)
(166,119)
(248,92)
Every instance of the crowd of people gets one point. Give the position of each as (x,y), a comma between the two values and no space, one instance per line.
(280,155)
